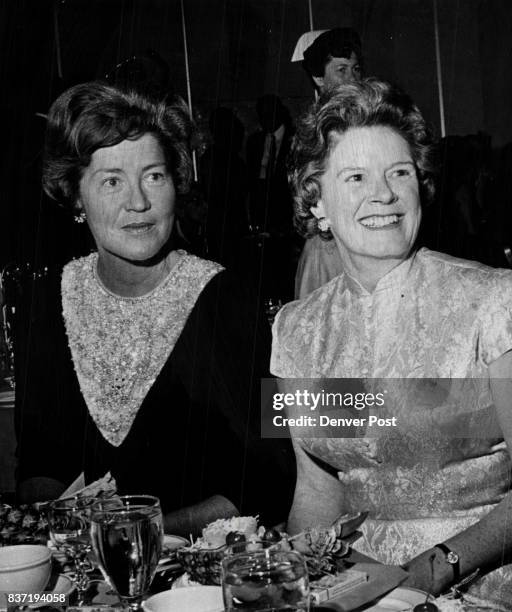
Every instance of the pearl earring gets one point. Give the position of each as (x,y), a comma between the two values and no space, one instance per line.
(80,217)
(324,225)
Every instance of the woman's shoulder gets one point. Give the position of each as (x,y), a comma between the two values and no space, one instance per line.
(77,269)
(195,265)
(313,309)
(226,295)
(469,275)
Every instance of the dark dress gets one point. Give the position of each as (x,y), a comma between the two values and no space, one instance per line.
(197,432)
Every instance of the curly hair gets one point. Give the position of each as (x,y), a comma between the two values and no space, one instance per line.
(367,103)
(94,115)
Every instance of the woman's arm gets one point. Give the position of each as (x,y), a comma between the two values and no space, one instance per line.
(487,543)
(318,498)
(192,519)
(38,489)
(257,475)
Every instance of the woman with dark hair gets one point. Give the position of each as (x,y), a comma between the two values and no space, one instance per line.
(333,58)
(147,362)
(438,498)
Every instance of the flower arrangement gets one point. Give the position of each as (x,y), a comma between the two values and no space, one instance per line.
(321,547)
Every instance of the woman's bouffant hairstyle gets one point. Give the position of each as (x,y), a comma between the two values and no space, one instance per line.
(367,103)
(93,115)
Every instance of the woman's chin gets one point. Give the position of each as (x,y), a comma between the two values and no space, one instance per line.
(395,250)
(136,257)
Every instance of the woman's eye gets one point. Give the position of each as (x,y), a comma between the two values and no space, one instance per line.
(402,172)
(155,177)
(354,178)
(111,182)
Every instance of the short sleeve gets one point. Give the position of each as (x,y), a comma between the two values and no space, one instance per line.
(496,322)
(282,363)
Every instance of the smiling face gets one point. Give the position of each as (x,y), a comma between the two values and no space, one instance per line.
(338,71)
(370,195)
(128,196)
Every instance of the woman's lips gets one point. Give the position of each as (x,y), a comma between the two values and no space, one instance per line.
(380,221)
(138,228)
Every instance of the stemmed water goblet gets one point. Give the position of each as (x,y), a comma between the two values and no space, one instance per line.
(127,535)
(69,526)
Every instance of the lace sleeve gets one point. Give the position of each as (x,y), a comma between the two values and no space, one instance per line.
(282,362)
(496,323)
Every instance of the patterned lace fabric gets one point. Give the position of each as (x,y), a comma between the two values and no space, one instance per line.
(118,344)
(432,317)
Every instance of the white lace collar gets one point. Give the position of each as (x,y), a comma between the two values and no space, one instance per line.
(119,345)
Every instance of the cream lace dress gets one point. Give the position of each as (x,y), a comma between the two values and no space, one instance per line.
(433,316)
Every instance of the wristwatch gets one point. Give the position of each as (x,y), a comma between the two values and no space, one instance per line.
(452,558)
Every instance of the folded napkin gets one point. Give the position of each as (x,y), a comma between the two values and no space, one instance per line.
(103,487)
(381,580)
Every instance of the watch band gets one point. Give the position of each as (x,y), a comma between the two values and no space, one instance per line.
(452,558)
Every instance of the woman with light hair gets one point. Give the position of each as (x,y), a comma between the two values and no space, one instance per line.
(361,171)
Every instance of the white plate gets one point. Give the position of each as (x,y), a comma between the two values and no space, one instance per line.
(191,599)
(63,586)
(401,599)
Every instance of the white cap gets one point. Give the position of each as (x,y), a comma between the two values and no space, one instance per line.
(305,41)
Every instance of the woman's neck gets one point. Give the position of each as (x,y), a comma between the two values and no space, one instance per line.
(369,271)
(128,279)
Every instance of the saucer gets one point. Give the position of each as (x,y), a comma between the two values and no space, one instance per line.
(59,585)
(200,599)
(400,599)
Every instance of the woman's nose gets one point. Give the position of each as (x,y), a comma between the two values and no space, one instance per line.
(351,75)
(382,192)
(138,200)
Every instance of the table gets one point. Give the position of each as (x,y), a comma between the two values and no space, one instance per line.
(382,579)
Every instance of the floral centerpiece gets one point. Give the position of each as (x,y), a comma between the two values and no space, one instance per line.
(321,547)
(24,524)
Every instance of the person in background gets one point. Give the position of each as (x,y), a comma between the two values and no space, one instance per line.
(142,360)
(270,205)
(330,58)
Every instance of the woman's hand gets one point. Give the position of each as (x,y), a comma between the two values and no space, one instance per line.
(39,489)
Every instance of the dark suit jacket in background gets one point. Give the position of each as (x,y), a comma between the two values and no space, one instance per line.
(269,199)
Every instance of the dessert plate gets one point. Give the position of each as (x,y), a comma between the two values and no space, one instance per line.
(402,599)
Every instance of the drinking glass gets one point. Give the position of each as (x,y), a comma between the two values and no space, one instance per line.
(268,580)
(127,535)
(69,523)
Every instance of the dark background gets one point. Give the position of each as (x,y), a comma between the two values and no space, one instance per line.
(238,50)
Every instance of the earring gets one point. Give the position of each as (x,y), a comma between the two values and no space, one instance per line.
(80,217)
(324,225)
